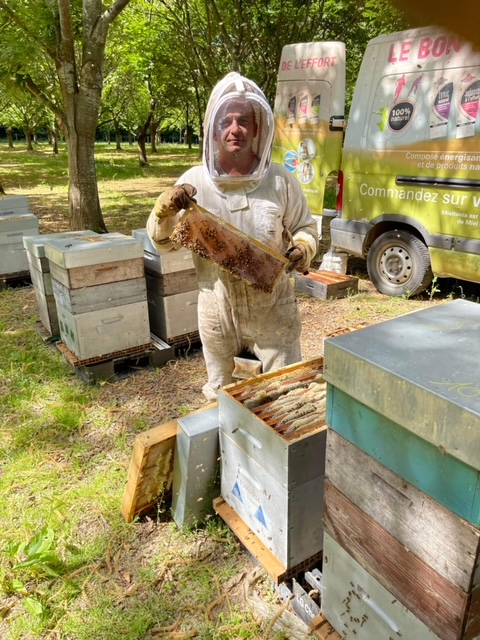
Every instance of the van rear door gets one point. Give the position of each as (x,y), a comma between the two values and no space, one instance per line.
(309,115)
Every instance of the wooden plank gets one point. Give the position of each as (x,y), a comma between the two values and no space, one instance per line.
(87,276)
(250,540)
(436,602)
(443,540)
(322,629)
(169,284)
(150,472)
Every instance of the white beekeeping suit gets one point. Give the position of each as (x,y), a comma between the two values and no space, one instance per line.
(238,183)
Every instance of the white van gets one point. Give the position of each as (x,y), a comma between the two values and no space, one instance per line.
(409,175)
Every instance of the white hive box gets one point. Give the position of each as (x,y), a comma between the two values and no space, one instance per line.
(358,606)
(41,278)
(173,316)
(162,263)
(172,290)
(100,310)
(15,223)
(273,481)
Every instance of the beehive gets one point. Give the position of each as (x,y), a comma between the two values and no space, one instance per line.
(403,496)
(100,293)
(212,238)
(15,222)
(39,267)
(271,472)
(172,290)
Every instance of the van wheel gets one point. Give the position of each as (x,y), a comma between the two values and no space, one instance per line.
(398,264)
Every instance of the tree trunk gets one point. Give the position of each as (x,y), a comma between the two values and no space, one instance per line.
(10,137)
(142,149)
(142,141)
(83,200)
(118,137)
(54,134)
(153,136)
(28,138)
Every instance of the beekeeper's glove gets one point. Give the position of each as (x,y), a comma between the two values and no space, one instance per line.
(171,201)
(299,257)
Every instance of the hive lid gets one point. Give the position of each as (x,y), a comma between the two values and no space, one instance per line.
(11,204)
(91,250)
(142,235)
(36,244)
(212,238)
(420,370)
(17,221)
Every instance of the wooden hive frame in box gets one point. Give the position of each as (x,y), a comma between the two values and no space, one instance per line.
(212,238)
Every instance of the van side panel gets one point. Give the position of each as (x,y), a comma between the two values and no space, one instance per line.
(412,147)
(310,91)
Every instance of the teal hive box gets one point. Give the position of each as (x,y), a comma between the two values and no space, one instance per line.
(407,392)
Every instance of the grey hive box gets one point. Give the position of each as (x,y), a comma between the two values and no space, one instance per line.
(273,483)
(172,290)
(14,225)
(196,467)
(358,606)
(163,263)
(100,293)
(41,278)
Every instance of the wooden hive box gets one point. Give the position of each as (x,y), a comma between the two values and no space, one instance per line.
(405,391)
(326,284)
(100,293)
(423,554)
(41,277)
(211,238)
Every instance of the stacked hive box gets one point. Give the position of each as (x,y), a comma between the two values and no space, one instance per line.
(271,472)
(172,291)
(402,495)
(40,273)
(15,222)
(100,293)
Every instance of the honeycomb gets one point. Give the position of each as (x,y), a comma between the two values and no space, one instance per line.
(229,248)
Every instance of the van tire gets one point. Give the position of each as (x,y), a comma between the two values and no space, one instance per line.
(398,264)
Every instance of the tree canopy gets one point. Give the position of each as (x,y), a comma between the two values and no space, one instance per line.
(140,65)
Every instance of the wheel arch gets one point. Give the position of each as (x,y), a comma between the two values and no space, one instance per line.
(391,222)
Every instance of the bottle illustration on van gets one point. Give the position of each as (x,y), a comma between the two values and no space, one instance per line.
(409,168)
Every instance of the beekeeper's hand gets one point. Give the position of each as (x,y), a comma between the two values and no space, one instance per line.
(299,257)
(173,200)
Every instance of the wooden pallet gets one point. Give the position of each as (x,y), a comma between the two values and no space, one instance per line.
(113,366)
(15,280)
(323,630)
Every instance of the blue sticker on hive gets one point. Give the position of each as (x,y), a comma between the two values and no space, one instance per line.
(260,516)
(236,492)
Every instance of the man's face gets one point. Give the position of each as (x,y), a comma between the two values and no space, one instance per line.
(235,127)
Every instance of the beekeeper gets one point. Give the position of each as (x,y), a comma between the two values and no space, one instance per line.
(238,183)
